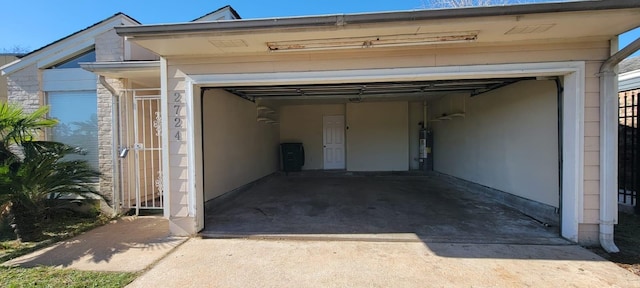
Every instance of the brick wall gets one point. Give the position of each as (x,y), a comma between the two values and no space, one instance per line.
(23,88)
(109,47)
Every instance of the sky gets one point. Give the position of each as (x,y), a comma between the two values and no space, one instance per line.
(32,24)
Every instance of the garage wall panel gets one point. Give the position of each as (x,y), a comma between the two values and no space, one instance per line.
(508,140)
(303,123)
(237,149)
(378,136)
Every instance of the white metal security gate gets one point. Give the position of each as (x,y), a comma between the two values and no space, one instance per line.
(141,133)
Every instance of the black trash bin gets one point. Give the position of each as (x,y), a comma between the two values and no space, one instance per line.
(292,156)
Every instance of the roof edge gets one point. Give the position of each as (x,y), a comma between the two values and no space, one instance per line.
(29,57)
(377,17)
(233,11)
(121,65)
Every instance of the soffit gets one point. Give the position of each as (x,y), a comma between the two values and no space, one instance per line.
(144,73)
(565,26)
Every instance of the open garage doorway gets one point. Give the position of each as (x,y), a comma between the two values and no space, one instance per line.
(428,207)
(502,136)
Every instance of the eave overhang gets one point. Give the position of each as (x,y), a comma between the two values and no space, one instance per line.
(462,27)
(368,18)
(137,71)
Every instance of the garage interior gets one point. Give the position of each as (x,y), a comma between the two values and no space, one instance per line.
(495,160)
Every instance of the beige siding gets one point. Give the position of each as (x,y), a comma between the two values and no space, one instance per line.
(237,148)
(591,199)
(177,198)
(588,234)
(592,52)
(303,123)
(507,140)
(377,136)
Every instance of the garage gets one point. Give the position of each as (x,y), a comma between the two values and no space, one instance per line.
(512,96)
(351,131)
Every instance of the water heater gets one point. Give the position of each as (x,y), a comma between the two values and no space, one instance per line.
(425,156)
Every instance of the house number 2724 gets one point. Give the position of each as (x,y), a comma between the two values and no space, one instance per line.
(177,121)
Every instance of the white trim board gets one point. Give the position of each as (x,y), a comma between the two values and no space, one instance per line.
(69,79)
(573,108)
(390,74)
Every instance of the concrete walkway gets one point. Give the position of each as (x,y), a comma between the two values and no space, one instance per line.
(285,263)
(130,244)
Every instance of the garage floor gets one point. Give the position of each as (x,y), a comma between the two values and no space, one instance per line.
(385,207)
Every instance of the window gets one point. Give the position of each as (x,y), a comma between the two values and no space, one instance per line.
(76,112)
(74,62)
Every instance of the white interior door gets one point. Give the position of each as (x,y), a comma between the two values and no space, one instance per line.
(333,141)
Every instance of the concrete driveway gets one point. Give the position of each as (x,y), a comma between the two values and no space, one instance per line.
(306,231)
(293,263)
(346,256)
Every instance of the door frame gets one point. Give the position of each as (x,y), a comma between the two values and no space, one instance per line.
(573,73)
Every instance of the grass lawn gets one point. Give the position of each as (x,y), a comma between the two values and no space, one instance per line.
(52,277)
(627,238)
(62,228)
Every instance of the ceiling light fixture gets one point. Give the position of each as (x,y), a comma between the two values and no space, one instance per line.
(374,41)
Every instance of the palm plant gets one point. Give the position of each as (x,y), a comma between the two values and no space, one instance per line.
(32,173)
(40,177)
(17,127)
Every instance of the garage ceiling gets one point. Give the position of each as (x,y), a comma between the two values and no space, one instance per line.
(355,92)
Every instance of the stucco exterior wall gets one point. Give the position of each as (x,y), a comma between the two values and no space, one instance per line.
(24,88)
(237,148)
(508,140)
(303,123)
